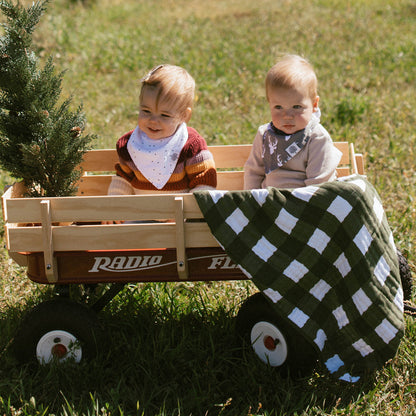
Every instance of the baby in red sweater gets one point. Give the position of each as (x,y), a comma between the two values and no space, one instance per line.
(162,153)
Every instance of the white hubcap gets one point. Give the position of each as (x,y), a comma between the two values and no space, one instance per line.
(269,343)
(58,345)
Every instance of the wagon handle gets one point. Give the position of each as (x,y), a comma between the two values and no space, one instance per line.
(51,264)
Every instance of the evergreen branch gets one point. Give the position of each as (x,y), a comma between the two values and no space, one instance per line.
(25,19)
(41,142)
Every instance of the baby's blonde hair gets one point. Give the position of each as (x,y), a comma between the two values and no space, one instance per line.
(174,86)
(292,71)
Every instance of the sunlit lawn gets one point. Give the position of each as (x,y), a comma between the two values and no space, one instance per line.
(172,348)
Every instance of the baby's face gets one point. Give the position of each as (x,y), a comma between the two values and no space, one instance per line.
(158,120)
(291,109)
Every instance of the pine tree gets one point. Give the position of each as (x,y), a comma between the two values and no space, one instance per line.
(41,139)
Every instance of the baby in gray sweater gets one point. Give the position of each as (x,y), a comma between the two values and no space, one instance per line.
(294,149)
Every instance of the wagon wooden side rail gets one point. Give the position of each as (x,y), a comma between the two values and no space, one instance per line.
(51,227)
(73,224)
(98,166)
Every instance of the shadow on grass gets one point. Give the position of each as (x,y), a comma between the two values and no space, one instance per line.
(161,360)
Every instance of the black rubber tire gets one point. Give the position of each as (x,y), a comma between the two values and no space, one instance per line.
(58,315)
(405,276)
(301,356)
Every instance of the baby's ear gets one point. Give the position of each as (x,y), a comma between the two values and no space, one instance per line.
(315,103)
(187,114)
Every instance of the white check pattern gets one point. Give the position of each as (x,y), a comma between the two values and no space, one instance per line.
(316,246)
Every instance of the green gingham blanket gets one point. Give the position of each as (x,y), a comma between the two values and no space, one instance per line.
(325,257)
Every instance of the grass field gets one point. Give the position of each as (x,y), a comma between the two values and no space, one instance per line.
(172,349)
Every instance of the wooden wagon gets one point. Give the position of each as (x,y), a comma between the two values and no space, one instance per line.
(62,241)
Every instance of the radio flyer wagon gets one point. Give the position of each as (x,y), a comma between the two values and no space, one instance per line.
(62,242)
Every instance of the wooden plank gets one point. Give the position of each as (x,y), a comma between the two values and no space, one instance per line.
(99,208)
(94,185)
(344,148)
(24,238)
(359,158)
(181,261)
(125,208)
(99,160)
(111,237)
(51,264)
(357,161)
(230,156)
(234,180)
(225,156)
(230,180)
(98,184)
(226,180)
(343,171)
(5,197)
(141,207)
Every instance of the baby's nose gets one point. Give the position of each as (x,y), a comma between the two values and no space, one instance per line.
(288,113)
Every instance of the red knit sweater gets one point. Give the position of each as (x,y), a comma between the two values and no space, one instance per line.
(195,166)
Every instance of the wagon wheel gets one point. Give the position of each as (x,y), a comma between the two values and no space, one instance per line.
(405,276)
(56,331)
(273,340)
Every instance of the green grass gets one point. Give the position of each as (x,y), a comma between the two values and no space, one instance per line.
(172,350)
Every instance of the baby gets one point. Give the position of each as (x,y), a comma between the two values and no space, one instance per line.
(294,149)
(162,153)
